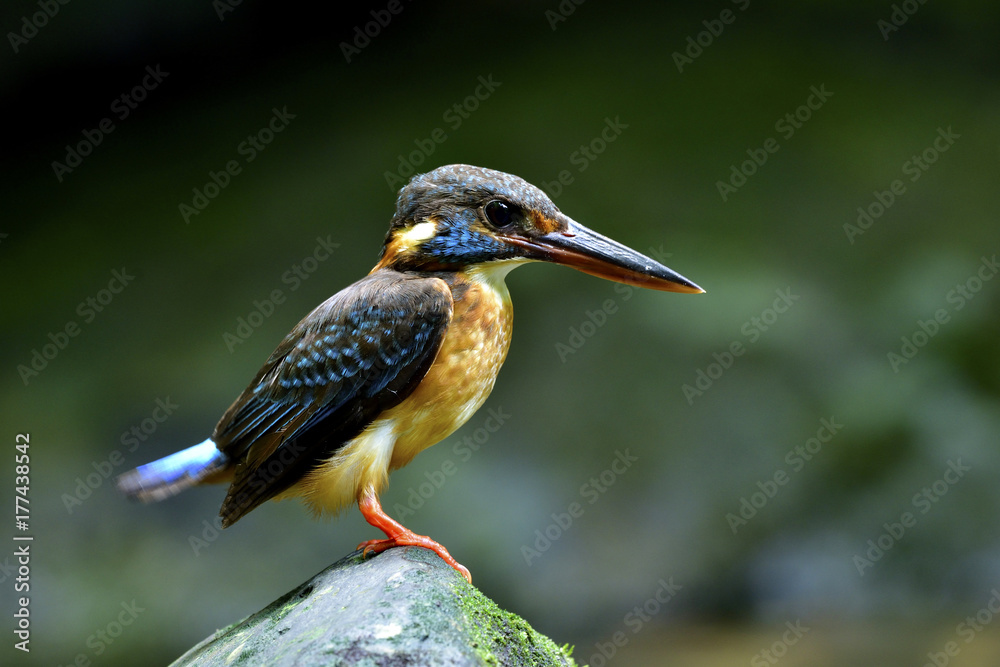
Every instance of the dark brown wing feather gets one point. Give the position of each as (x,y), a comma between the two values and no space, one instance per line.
(359,353)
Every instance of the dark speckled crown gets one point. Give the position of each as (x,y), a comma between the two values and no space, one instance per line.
(448,189)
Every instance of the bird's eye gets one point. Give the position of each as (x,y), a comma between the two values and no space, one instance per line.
(500,214)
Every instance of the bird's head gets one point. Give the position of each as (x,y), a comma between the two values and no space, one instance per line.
(459,216)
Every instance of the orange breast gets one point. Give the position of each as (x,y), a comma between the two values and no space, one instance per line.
(456,384)
(463,373)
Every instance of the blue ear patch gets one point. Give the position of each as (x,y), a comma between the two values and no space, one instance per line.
(461,240)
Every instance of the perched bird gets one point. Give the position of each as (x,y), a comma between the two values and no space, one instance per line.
(397,361)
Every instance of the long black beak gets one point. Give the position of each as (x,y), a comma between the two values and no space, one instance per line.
(585,250)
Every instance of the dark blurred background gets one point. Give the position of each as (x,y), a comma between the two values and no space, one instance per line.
(824,497)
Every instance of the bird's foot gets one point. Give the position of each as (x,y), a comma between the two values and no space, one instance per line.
(398,535)
(411,539)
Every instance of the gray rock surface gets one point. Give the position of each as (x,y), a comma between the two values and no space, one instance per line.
(402,607)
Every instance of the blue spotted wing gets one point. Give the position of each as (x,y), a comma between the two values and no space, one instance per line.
(359,353)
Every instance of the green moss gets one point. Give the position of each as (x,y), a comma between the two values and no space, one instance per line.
(502,637)
(246,657)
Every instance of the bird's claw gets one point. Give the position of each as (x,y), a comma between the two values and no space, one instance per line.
(413,540)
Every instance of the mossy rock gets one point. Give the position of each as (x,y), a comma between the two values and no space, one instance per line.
(402,607)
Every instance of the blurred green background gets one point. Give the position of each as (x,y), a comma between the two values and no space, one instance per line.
(749,535)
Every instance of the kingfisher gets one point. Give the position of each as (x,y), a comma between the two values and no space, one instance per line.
(397,361)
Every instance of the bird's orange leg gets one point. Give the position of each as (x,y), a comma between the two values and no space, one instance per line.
(398,535)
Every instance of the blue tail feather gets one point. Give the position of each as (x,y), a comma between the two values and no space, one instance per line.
(172,474)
